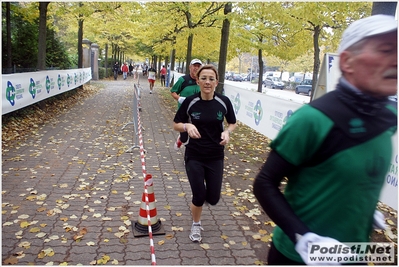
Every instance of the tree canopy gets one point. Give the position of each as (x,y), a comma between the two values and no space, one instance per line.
(281,33)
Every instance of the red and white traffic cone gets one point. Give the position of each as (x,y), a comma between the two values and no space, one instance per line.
(148,221)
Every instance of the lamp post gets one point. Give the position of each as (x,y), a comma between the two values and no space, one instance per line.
(94,60)
(87,58)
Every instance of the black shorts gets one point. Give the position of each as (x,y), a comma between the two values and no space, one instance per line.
(205,179)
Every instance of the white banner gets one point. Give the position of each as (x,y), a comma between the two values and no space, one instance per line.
(263,113)
(389,193)
(329,75)
(23,89)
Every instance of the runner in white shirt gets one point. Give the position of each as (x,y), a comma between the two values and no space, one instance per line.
(151,77)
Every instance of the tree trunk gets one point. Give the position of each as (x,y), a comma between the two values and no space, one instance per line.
(114,54)
(80,38)
(166,62)
(316,59)
(106,61)
(41,57)
(172,64)
(260,77)
(119,55)
(387,8)
(189,50)
(9,52)
(224,42)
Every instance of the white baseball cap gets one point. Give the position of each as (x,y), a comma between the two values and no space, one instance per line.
(195,61)
(366,27)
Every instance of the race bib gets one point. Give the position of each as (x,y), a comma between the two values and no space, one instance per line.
(151,75)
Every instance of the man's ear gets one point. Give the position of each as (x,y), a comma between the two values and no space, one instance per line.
(346,60)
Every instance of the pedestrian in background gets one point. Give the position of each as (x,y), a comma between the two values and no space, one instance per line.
(116,70)
(145,69)
(185,86)
(202,115)
(151,77)
(131,69)
(335,151)
(163,75)
(136,72)
(125,70)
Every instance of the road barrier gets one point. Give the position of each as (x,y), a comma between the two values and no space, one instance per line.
(136,111)
(147,223)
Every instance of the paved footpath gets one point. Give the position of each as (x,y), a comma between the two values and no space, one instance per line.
(71,192)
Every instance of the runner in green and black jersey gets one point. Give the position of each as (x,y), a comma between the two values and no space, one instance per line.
(185,86)
(336,151)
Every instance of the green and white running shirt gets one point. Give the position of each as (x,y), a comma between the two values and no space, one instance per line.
(185,86)
(343,151)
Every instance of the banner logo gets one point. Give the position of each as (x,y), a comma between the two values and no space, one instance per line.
(48,84)
(237,103)
(32,88)
(10,93)
(59,82)
(258,112)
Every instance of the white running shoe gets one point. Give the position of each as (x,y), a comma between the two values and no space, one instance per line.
(195,234)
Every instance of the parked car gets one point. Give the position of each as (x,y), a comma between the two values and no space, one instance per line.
(229,76)
(274,83)
(254,76)
(236,78)
(304,87)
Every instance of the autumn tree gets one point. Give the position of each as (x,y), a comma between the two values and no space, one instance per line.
(324,21)
(22,47)
(197,15)
(8,36)
(41,57)
(256,29)
(224,41)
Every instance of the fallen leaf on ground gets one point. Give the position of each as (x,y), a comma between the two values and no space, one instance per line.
(24,244)
(169,236)
(205,246)
(11,261)
(49,252)
(104,259)
(34,230)
(256,237)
